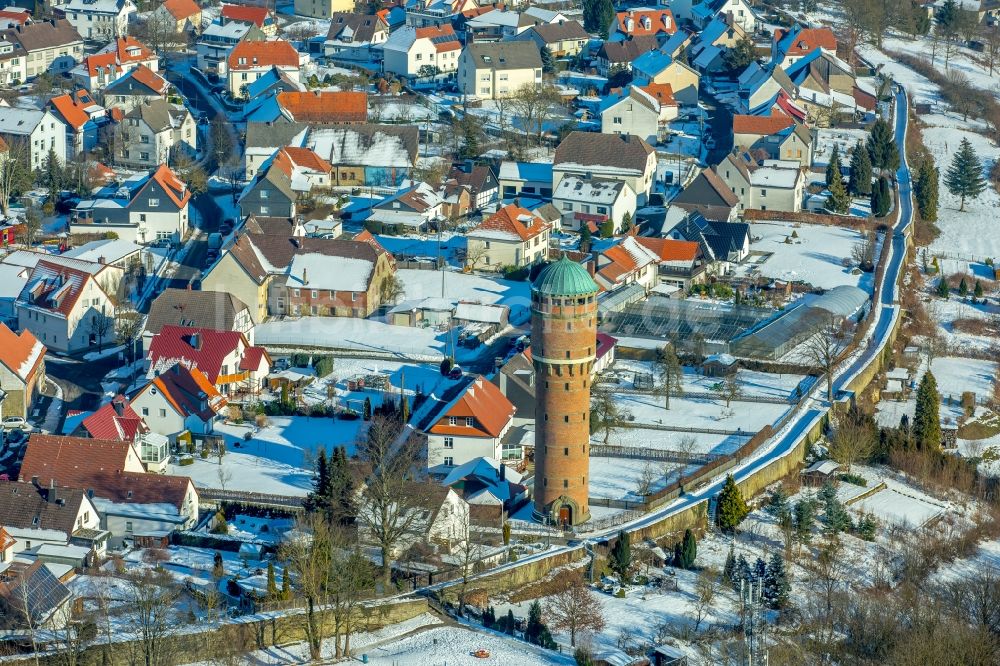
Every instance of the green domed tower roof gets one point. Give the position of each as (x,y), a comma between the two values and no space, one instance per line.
(565,278)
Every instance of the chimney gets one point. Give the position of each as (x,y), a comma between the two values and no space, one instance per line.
(503,472)
(52,496)
(102,260)
(591,265)
(305,276)
(118,404)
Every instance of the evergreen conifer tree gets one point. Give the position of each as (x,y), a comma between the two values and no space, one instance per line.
(964,178)
(318,498)
(839,200)
(620,558)
(677,561)
(882,147)
(731,508)
(881,198)
(510,622)
(860,182)
(585,237)
(286,585)
(597,16)
(778,502)
(978,291)
(741,571)
(548,62)
(942,287)
(607,228)
(833,166)
(730,566)
(366,409)
(963,288)
(926,190)
(689,549)
(926,419)
(804,516)
(759,569)
(835,517)
(776,585)
(272,583)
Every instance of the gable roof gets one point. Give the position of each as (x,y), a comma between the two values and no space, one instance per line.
(116,420)
(360,27)
(366,145)
(761,125)
(658,20)
(442,36)
(188,391)
(326,106)
(173,186)
(500,56)
(201,348)
(25,506)
(245,14)
(707,193)
(552,33)
(43,35)
(718,239)
(511,222)
(254,54)
(31,594)
(476,398)
(668,249)
(72,108)
(20,352)
(158,114)
(56,284)
(623,151)
(624,259)
(661,92)
(799,40)
(182,9)
(195,309)
(261,255)
(629,49)
(139,81)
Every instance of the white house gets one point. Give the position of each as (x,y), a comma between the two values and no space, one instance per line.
(638,113)
(250,60)
(99,20)
(178,400)
(621,157)
(592,202)
(41,131)
(498,70)
(512,236)
(428,51)
(156,129)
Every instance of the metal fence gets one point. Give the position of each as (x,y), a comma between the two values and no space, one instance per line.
(643,453)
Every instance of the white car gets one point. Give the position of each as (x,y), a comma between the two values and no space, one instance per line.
(16,423)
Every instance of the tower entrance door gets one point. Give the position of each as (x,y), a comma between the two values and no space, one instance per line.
(565,515)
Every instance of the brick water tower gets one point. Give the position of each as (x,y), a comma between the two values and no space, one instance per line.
(563,349)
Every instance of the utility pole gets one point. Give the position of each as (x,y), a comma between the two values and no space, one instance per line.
(754,623)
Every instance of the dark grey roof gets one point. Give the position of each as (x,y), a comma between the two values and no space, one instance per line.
(557,32)
(156,113)
(628,50)
(505,55)
(43,35)
(718,239)
(26,506)
(275,135)
(364,26)
(215,310)
(624,151)
(29,592)
(708,195)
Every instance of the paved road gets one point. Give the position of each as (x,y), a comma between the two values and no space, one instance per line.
(814,407)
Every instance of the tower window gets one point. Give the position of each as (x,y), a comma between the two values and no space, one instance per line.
(566,418)
(546,416)
(565,483)
(545,481)
(567,386)
(566,451)
(567,353)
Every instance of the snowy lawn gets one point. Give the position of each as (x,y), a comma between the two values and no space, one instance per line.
(425,245)
(467,287)
(348,333)
(701,412)
(956,375)
(752,383)
(815,257)
(900,508)
(454,646)
(619,478)
(649,438)
(947,312)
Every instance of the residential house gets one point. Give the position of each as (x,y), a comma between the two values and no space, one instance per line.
(497,70)
(260,18)
(115,421)
(22,371)
(469,420)
(13,16)
(218,39)
(701,12)
(484,188)
(263,139)
(680,263)
(82,117)
(322,9)
(67,302)
(326,107)
(156,131)
(282,275)
(638,112)
(262,96)
(642,22)
(118,57)
(621,157)
(13,277)
(759,86)
(433,13)
(98,20)
(412,209)
(564,39)
(788,45)
(355,37)
(486,482)
(778,136)
(137,86)
(488,24)
(625,263)
(709,48)
(528,179)
(367,155)
(823,72)
(40,131)
(770,185)
(144,209)
(218,310)
(612,56)
(512,236)
(13,62)
(582,201)
(270,193)
(226,358)
(120,254)
(441,521)
(182,15)
(34,514)
(420,52)
(50,46)
(660,67)
(179,400)
(249,60)
(710,196)
(130,501)
(722,243)
(33,599)
(456,200)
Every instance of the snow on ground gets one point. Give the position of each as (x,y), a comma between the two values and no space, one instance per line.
(844,138)
(619,478)
(815,257)
(892,506)
(348,333)
(394,110)
(947,312)
(701,412)
(752,382)
(648,438)
(278,458)
(466,287)
(954,375)
(427,246)
(454,646)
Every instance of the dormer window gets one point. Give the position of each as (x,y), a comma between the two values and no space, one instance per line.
(452,420)
(469,421)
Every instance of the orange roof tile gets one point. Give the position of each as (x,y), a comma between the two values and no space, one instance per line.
(658,20)
(255,15)
(325,106)
(514,220)
(252,55)
(307,159)
(21,353)
(102,61)
(71,109)
(182,9)
(761,125)
(485,403)
(668,249)
(661,92)
(125,44)
(172,185)
(442,36)
(809,39)
(148,77)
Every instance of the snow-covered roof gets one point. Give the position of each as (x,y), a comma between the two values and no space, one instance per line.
(583,190)
(824,467)
(320,271)
(110,250)
(491,314)
(776,176)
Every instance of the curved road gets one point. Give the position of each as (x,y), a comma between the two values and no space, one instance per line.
(815,407)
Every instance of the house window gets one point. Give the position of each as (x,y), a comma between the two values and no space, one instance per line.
(449,442)
(153,203)
(565,483)
(469,421)
(264,210)
(144,156)
(601,210)
(617,120)
(763,193)
(128,525)
(145,411)
(315,294)
(163,413)
(264,194)
(449,461)
(567,205)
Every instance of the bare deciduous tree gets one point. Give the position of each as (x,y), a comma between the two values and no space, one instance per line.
(605,413)
(15,172)
(853,439)
(99,327)
(575,609)
(149,609)
(729,389)
(705,588)
(310,560)
(821,351)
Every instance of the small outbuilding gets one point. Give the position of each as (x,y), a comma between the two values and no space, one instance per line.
(719,365)
(820,472)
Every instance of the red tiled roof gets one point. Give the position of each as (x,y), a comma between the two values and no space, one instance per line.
(100,173)
(809,39)
(253,357)
(71,108)
(660,20)
(182,9)
(56,287)
(509,219)
(172,185)
(442,36)
(14,15)
(668,249)
(185,389)
(6,540)
(485,403)
(328,106)
(761,125)
(307,159)
(151,79)
(255,15)
(107,423)
(102,61)
(125,44)
(661,92)
(20,352)
(277,53)
(201,348)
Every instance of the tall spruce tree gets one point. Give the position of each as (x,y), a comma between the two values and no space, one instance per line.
(833,166)
(620,558)
(964,178)
(882,147)
(926,419)
(689,549)
(776,585)
(548,62)
(318,499)
(881,198)
(860,182)
(272,583)
(926,190)
(839,200)
(597,16)
(731,508)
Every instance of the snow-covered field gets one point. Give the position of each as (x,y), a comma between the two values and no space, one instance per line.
(701,412)
(358,335)
(455,645)
(954,375)
(649,438)
(815,257)
(752,382)
(466,287)
(900,508)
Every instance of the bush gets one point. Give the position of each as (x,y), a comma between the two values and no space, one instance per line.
(620,593)
(348,416)
(323,365)
(203,453)
(854,479)
(261,420)
(185,461)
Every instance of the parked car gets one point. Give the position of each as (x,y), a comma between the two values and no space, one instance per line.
(16,423)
